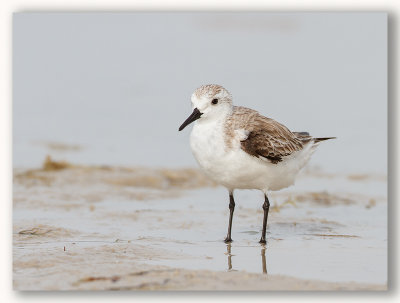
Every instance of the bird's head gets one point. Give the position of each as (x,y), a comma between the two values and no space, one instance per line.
(209,102)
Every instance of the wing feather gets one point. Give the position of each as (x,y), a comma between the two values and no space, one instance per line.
(266,137)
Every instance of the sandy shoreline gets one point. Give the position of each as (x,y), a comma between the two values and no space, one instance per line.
(115,228)
(115,266)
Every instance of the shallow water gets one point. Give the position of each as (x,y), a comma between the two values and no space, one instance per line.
(320,237)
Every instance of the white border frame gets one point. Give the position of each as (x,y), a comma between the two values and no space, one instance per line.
(8,7)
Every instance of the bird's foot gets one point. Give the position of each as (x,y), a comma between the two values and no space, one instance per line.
(228,240)
(262,241)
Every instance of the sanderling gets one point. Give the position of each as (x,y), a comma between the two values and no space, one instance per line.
(241,149)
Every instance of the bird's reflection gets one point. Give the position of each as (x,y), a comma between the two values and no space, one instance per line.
(263,258)
(228,252)
(264,261)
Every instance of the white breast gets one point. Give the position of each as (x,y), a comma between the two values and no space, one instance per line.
(230,167)
(208,146)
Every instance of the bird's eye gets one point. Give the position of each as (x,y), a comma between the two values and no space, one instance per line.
(214,101)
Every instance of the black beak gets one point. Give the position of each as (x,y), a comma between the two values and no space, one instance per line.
(193,117)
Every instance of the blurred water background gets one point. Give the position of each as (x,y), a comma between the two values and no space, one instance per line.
(113,88)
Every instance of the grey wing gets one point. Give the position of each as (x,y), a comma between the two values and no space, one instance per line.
(303,136)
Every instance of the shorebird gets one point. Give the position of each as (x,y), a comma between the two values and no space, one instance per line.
(240,149)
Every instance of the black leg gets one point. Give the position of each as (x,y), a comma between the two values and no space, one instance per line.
(266,209)
(228,238)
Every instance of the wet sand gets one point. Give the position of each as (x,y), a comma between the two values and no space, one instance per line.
(120,228)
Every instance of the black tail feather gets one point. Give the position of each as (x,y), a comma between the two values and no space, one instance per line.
(316,140)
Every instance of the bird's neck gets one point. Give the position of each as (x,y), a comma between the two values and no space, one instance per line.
(216,120)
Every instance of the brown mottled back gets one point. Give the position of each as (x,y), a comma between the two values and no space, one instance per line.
(266,137)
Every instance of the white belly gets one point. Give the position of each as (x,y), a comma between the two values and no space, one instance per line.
(234,168)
